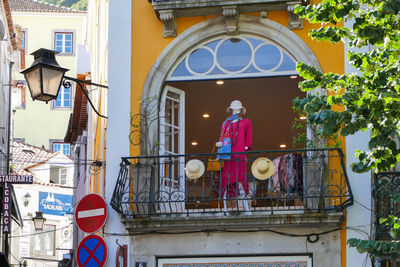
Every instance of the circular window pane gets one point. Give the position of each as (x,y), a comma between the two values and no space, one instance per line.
(234,54)
(201,60)
(267,57)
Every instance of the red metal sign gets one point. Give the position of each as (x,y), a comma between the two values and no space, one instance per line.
(121,259)
(92,251)
(91,213)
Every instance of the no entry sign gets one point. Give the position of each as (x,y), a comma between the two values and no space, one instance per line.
(91,252)
(91,213)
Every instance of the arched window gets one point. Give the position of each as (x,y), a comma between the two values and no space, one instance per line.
(241,56)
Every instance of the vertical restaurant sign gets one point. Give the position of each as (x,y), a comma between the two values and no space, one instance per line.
(6,181)
(54,204)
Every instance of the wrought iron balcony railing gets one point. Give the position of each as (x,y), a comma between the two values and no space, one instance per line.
(386,185)
(303,181)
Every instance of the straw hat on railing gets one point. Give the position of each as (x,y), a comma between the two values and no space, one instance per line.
(262,168)
(194,169)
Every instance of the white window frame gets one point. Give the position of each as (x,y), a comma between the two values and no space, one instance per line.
(172,188)
(73,41)
(52,231)
(181,129)
(62,94)
(24,32)
(59,142)
(62,174)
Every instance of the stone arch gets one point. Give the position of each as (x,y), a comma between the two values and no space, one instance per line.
(217,27)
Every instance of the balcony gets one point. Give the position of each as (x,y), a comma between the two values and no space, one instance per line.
(168,10)
(308,187)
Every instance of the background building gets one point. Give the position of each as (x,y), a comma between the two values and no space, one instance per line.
(86,130)
(42,25)
(51,194)
(8,45)
(174,53)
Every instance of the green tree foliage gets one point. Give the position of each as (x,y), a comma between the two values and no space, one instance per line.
(370,96)
(80,5)
(76,4)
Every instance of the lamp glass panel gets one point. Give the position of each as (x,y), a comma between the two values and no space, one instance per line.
(33,79)
(51,81)
(39,222)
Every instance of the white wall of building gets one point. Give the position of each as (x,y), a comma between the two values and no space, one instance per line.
(42,171)
(325,252)
(56,202)
(119,105)
(5,61)
(62,224)
(358,215)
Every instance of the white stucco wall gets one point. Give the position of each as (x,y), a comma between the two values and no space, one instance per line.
(42,171)
(25,236)
(81,181)
(358,215)
(5,60)
(325,252)
(119,105)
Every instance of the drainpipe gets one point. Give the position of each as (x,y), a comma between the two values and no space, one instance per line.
(7,243)
(9,117)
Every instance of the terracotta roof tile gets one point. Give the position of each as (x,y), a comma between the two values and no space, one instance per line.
(10,24)
(38,6)
(25,156)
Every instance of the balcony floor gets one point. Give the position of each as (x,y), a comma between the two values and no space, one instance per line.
(175,223)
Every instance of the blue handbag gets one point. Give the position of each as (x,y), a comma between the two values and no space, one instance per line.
(225,148)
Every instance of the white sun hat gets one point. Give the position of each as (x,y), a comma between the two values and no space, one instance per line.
(194,169)
(262,168)
(236,104)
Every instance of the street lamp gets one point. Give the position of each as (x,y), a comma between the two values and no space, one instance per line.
(38,221)
(27,198)
(45,78)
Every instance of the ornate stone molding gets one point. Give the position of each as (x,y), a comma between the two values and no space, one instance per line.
(169,22)
(169,10)
(295,22)
(215,27)
(231,14)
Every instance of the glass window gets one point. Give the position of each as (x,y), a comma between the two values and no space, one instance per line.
(44,243)
(63,176)
(201,60)
(267,57)
(58,175)
(63,99)
(63,42)
(63,147)
(234,54)
(23,40)
(244,56)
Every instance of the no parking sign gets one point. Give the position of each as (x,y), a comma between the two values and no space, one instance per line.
(92,252)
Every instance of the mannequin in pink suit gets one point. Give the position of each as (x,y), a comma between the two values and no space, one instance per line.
(236,133)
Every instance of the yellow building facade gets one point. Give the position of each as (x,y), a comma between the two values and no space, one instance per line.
(174,67)
(56,28)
